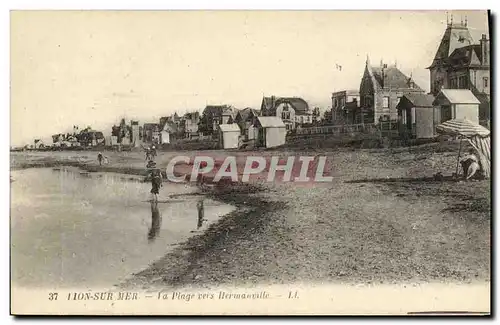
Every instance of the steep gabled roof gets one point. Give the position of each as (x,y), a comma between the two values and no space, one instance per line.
(218,110)
(170,127)
(163,121)
(455,36)
(299,105)
(392,77)
(246,112)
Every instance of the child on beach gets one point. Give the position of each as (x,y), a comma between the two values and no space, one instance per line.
(470,165)
(100,158)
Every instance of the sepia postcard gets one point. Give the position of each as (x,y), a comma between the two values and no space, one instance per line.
(250,162)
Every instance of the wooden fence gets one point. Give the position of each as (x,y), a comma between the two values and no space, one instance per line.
(385,129)
(337,129)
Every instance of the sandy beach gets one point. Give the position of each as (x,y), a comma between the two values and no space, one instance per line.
(383,219)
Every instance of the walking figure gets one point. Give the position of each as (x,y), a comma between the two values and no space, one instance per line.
(148,154)
(156,183)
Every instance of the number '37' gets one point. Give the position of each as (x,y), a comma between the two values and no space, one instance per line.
(53,296)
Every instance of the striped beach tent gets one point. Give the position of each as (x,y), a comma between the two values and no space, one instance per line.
(463,127)
(477,135)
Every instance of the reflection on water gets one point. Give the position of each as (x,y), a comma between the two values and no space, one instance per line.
(70,229)
(154,230)
(201,213)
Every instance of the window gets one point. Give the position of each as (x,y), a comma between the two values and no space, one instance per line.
(335,102)
(386,102)
(463,82)
(403,116)
(485,82)
(453,83)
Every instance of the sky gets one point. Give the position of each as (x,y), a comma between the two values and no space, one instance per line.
(91,68)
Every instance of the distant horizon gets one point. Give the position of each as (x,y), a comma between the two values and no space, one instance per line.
(104,66)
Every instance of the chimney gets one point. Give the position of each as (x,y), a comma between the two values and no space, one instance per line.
(485,50)
(382,67)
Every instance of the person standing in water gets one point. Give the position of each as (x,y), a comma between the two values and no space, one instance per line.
(156,183)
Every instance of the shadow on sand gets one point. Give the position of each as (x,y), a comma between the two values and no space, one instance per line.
(430,186)
(433,179)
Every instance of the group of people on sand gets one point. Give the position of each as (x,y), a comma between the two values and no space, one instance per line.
(150,153)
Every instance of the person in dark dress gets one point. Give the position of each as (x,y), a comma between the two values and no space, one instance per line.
(156,183)
(100,158)
(148,154)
